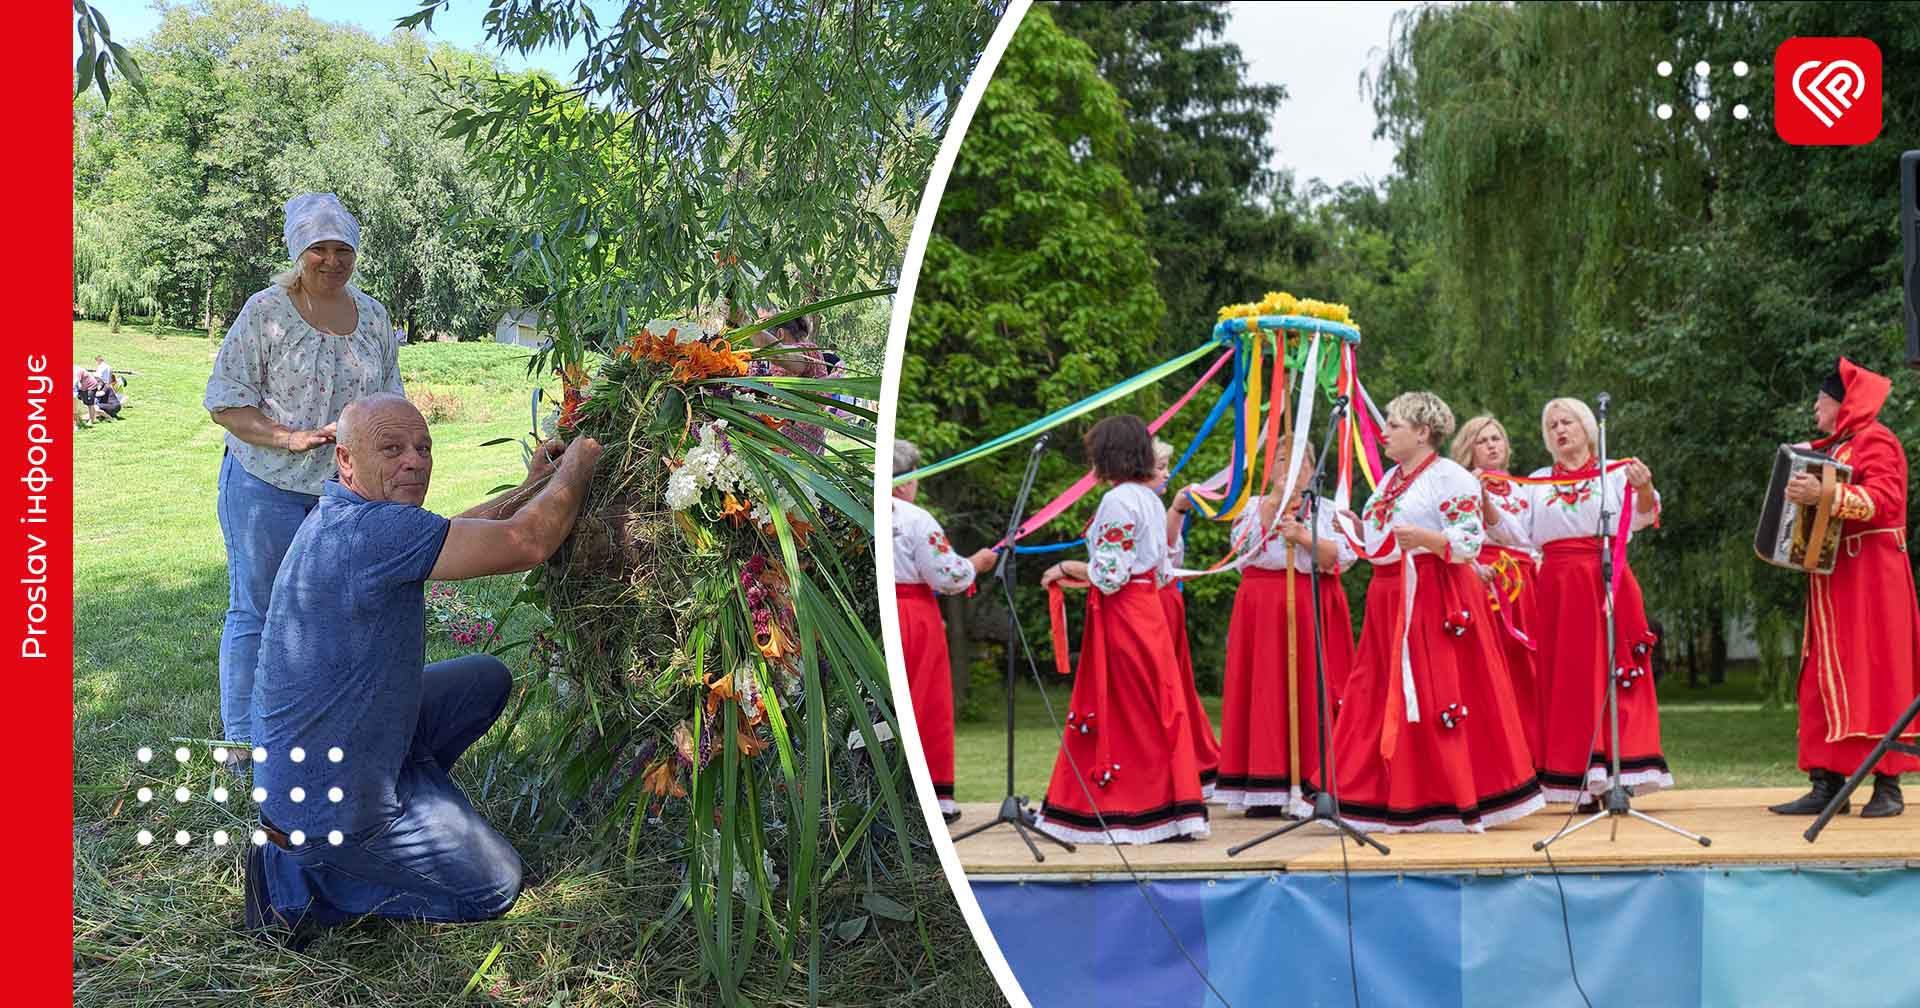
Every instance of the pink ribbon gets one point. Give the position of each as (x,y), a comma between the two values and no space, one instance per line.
(1056,507)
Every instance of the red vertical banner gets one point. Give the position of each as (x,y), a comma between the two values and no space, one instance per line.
(37,512)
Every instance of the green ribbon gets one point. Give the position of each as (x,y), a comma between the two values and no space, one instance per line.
(1062,415)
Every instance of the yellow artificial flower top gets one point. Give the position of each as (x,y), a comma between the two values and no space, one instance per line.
(1283,303)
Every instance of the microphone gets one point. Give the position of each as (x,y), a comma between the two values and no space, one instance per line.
(1603,399)
(1040,443)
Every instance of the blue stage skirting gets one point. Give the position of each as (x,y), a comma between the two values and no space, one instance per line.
(1683,937)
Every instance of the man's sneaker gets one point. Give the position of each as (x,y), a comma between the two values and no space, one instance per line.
(261,919)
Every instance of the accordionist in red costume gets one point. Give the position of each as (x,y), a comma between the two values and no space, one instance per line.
(1860,666)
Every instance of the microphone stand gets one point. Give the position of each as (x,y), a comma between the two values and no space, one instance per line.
(1615,803)
(1326,801)
(1013,808)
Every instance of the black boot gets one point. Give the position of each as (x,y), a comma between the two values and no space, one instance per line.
(1826,784)
(1886,797)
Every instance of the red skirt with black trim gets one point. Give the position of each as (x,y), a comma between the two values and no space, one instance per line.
(923,639)
(1255,763)
(1464,765)
(1571,675)
(1127,749)
(1513,599)
(1206,749)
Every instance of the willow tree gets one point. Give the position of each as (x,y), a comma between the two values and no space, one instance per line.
(1528,137)
(1700,269)
(714,612)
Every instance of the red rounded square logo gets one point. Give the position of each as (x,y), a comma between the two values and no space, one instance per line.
(1826,91)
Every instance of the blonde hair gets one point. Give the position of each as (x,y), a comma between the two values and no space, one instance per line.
(291,277)
(1162,452)
(1423,409)
(1462,450)
(1580,412)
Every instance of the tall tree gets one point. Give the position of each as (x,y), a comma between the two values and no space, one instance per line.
(745,151)
(1201,159)
(247,103)
(1037,288)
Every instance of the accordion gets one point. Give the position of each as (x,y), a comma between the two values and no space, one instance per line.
(1802,537)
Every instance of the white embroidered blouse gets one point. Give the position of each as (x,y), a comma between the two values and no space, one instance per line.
(1269,551)
(300,378)
(1443,498)
(1128,538)
(921,553)
(1570,512)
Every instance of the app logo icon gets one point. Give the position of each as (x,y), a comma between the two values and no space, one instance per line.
(1826,91)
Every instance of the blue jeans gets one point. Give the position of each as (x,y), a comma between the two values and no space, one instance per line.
(438,860)
(257,520)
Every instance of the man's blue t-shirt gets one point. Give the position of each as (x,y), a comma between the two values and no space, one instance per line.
(341,661)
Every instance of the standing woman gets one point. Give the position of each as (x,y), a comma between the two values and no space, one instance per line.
(1572,663)
(924,566)
(296,355)
(1257,771)
(1127,744)
(1508,562)
(1206,749)
(1429,736)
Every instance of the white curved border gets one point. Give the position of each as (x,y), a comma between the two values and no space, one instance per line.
(883,492)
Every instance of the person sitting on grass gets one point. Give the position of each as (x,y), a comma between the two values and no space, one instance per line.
(356,735)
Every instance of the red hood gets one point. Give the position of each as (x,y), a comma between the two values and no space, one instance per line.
(1866,393)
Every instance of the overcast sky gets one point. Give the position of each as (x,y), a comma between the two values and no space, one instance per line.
(1318,50)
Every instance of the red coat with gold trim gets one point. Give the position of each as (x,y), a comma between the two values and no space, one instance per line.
(1862,639)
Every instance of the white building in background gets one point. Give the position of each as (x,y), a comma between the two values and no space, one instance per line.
(521,327)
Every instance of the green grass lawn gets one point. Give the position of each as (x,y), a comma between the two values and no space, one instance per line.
(152,924)
(1714,737)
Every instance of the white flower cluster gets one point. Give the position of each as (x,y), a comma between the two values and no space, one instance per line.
(712,464)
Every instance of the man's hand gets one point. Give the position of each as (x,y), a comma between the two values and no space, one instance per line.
(1804,490)
(983,560)
(546,458)
(582,454)
(307,440)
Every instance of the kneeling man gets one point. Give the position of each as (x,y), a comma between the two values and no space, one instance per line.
(360,734)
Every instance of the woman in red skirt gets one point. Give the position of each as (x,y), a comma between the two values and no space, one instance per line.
(1508,562)
(924,564)
(1572,664)
(1206,750)
(1429,736)
(1269,684)
(1126,771)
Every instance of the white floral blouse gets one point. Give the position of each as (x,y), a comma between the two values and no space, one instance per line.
(1443,498)
(1572,512)
(921,554)
(1127,538)
(1268,551)
(300,378)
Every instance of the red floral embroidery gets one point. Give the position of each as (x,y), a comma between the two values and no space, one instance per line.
(1381,509)
(1577,494)
(938,540)
(1459,508)
(1121,534)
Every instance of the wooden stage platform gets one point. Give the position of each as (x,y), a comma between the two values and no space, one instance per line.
(1736,820)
